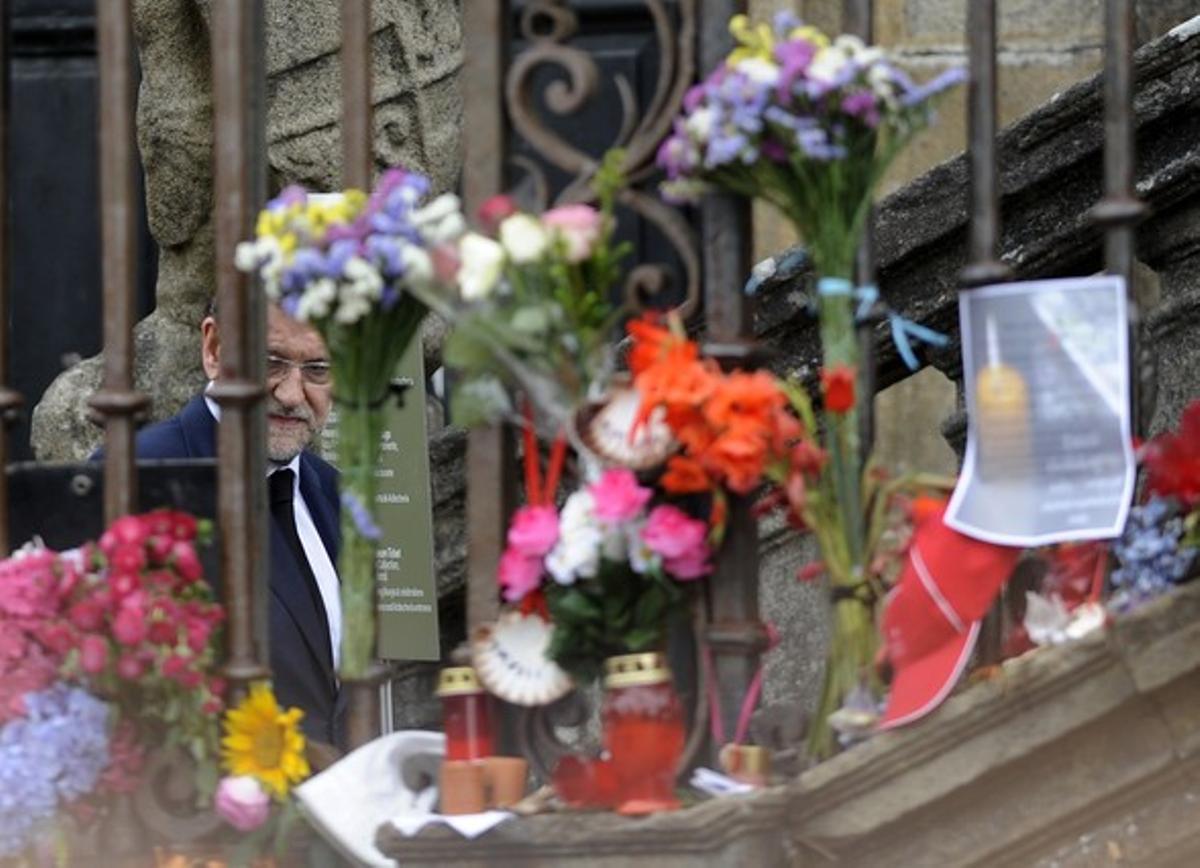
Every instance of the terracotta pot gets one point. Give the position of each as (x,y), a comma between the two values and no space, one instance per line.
(461,787)
(504,779)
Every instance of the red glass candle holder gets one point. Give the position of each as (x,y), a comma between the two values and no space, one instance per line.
(643,732)
(466,714)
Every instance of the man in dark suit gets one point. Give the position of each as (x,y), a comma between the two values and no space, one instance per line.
(304,608)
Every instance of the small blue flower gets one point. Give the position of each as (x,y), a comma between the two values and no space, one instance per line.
(362,517)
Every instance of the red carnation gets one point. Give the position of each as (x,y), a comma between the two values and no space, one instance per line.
(1173,460)
(838,384)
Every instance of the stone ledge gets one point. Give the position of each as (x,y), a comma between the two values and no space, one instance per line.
(1059,749)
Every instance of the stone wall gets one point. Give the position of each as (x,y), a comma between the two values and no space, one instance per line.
(418,115)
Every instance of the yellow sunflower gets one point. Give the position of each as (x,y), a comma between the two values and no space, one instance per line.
(264,741)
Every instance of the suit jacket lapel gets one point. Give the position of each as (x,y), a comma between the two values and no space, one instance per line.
(199,428)
(286,586)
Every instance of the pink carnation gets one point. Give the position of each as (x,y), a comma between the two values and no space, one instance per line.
(534,530)
(617,496)
(578,226)
(518,574)
(671,533)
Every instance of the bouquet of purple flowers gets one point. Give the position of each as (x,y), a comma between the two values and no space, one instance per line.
(807,123)
(356,267)
(811,124)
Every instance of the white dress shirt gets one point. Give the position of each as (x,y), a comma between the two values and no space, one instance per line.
(314,549)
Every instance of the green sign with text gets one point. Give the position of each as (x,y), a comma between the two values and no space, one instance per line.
(407,589)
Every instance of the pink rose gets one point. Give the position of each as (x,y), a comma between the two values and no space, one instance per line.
(671,533)
(93,654)
(617,496)
(692,565)
(242,802)
(578,226)
(518,574)
(534,530)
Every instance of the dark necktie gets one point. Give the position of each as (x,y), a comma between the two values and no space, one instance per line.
(282,488)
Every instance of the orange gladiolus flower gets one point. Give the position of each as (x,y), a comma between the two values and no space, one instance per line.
(739,455)
(838,385)
(751,397)
(650,343)
(685,476)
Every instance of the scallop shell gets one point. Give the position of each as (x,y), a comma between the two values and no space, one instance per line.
(604,427)
(510,658)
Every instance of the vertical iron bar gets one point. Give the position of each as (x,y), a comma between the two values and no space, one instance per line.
(1120,210)
(492,488)
(10,400)
(238,116)
(357,160)
(117,399)
(365,705)
(858,20)
(735,633)
(983,266)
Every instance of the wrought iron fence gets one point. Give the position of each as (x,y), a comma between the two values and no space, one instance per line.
(691,37)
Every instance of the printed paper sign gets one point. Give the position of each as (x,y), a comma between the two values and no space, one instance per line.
(1049,452)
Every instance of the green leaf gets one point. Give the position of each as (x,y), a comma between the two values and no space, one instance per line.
(643,638)
(576,605)
(652,606)
(531,320)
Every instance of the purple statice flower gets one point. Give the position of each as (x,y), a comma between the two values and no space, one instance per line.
(340,252)
(290,303)
(389,297)
(362,517)
(386,254)
(293,194)
(863,106)
(793,58)
(915,95)
(677,156)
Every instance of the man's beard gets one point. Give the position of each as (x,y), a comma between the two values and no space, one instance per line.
(285,442)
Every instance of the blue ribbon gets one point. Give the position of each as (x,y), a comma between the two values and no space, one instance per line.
(904,330)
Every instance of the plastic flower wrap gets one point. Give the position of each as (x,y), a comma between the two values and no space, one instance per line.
(608,568)
(361,269)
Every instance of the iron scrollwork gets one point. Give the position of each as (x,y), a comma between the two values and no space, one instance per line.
(549,26)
